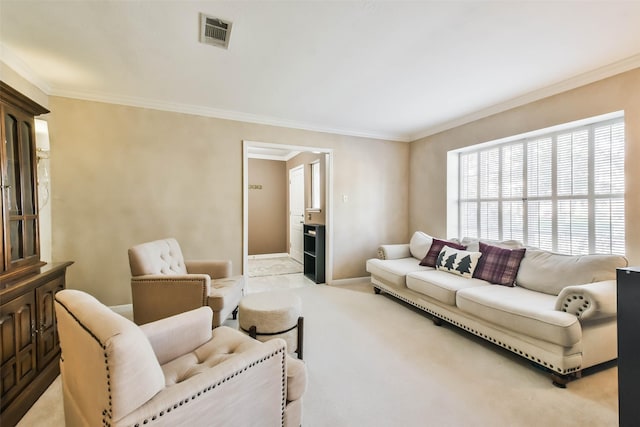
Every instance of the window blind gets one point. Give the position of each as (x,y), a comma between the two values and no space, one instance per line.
(561,191)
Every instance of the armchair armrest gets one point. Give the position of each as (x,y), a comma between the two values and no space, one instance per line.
(591,301)
(174,336)
(216,269)
(394,251)
(157,296)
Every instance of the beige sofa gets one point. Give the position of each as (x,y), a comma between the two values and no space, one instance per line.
(560,313)
(172,372)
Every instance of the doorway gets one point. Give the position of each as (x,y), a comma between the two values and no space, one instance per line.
(249,150)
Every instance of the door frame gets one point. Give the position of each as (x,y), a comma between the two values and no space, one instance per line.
(327,202)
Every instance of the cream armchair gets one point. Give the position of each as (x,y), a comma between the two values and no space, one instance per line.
(164,284)
(175,371)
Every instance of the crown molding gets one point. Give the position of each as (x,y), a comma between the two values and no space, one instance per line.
(14,62)
(217,113)
(583,79)
(9,58)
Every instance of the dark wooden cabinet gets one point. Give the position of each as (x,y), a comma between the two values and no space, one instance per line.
(18,164)
(18,337)
(29,346)
(314,252)
(628,345)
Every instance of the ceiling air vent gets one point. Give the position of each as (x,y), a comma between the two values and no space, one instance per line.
(214,31)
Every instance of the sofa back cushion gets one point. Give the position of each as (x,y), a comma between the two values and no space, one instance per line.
(430,259)
(419,244)
(549,272)
(473,244)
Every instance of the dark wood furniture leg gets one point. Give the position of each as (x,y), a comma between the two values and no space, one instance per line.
(300,337)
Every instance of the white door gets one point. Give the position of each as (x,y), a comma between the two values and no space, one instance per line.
(296,212)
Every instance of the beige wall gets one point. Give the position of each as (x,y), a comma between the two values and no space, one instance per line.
(124,175)
(428,196)
(267,225)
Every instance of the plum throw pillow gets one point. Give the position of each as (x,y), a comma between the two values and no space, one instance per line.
(436,246)
(457,261)
(499,265)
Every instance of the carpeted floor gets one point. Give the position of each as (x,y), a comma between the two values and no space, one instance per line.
(260,267)
(373,361)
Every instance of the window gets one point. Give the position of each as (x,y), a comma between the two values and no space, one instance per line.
(315,185)
(562,190)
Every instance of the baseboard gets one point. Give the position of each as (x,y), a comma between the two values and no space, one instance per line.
(276,255)
(350,281)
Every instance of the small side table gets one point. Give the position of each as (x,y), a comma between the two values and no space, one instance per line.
(268,315)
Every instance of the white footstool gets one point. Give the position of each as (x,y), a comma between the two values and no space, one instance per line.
(268,315)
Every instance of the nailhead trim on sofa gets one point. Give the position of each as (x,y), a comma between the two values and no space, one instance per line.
(480,334)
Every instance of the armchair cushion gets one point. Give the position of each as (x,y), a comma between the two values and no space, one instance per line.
(176,335)
(215,269)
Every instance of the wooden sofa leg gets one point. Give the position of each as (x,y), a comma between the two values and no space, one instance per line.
(376,290)
(234,313)
(559,380)
(436,320)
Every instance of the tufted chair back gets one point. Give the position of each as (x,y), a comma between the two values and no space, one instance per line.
(102,356)
(157,257)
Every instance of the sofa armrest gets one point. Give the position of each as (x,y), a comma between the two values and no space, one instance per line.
(158,296)
(591,301)
(174,336)
(394,251)
(216,269)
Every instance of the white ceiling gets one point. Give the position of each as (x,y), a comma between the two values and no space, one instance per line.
(387,69)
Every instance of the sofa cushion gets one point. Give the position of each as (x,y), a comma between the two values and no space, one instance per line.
(440,285)
(394,271)
(430,259)
(522,311)
(419,244)
(473,243)
(457,261)
(548,272)
(498,265)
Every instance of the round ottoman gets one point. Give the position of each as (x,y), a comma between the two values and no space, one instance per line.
(268,315)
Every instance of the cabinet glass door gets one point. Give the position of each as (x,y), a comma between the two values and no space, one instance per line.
(18,189)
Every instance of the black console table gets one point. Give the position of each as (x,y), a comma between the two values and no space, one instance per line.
(314,252)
